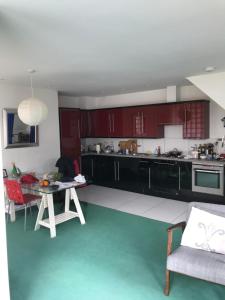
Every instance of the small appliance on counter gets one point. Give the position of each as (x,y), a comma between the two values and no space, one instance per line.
(108,148)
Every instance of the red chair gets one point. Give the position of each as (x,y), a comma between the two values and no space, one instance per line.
(15,194)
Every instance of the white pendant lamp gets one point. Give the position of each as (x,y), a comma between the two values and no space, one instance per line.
(32,111)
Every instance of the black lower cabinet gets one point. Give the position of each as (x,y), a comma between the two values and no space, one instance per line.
(103,171)
(185,176)
(165,177)
(87,166)
(126,172)
(144,170)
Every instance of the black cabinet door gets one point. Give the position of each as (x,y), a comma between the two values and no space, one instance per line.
(186,175)
(127,175)
(87,166)
(144,176)
(165,177)
(103,170)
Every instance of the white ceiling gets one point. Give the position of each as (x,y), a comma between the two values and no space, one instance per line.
(103,47)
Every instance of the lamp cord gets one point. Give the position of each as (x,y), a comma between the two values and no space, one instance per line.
(31,85)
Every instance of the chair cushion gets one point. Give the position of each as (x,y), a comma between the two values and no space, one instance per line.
(30,197)
(198,263)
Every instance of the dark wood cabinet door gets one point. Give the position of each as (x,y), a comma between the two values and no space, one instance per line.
(196,120)
(170,114)
(101,121)
(70,132)
(83,123)
(132,122)
(115,126)
(142,122)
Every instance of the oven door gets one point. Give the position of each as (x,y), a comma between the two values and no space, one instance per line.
(208,179)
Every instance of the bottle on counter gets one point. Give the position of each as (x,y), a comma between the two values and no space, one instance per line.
(158,151)
(15,171)
(199,151)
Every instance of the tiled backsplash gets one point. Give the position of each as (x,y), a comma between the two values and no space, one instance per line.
(173,139)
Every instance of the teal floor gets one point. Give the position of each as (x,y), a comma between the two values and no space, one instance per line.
(114,256)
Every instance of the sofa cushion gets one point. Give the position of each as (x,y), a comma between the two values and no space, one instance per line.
(205,231)
(198,263)
(216,209)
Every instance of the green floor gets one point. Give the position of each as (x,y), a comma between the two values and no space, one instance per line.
(114,256)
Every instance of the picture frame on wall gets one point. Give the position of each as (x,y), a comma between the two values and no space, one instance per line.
(5,174)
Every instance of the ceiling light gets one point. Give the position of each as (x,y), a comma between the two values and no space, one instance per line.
(32,111)
(210,69)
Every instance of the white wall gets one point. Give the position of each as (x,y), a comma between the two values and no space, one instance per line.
(147,97)
(41,158)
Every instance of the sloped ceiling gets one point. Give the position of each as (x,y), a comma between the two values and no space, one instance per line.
(212,85)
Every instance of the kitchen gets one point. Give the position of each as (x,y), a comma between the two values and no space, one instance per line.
(155,167)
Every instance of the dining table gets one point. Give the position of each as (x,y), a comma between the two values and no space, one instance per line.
(47,203)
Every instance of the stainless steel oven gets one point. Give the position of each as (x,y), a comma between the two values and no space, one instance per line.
(208,178)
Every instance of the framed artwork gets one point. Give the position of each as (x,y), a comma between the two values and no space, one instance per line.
(5,174)
(16,133)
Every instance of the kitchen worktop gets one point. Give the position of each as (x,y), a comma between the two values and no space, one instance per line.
(147,156)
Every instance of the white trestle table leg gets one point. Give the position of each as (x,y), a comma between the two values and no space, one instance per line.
(67,200)
(12,212)
(41,212)
(77,204)
(51,215)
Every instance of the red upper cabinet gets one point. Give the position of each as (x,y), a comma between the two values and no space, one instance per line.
(70,132)
(87,123)
(196,120)
(170,114)
(107,122)
(141,122)
(132,122)
(115,119)
(100,123)
(83,123)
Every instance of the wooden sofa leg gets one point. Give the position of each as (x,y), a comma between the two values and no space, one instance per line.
(167,287)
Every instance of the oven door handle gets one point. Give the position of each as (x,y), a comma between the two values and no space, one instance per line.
(207,171)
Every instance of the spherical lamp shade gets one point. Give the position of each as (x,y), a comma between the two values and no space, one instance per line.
(32,111)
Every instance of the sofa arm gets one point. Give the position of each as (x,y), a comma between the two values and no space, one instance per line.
(180,225)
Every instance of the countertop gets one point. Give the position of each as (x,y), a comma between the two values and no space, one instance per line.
(147,156)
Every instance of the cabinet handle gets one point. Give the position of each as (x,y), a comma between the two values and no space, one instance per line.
(149,178)
(179,178)
(92,168)
(78,128)
(118,166)
(115,171)
(110,128)
(113,122)
(89,125)
(142,123)
(185,118)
